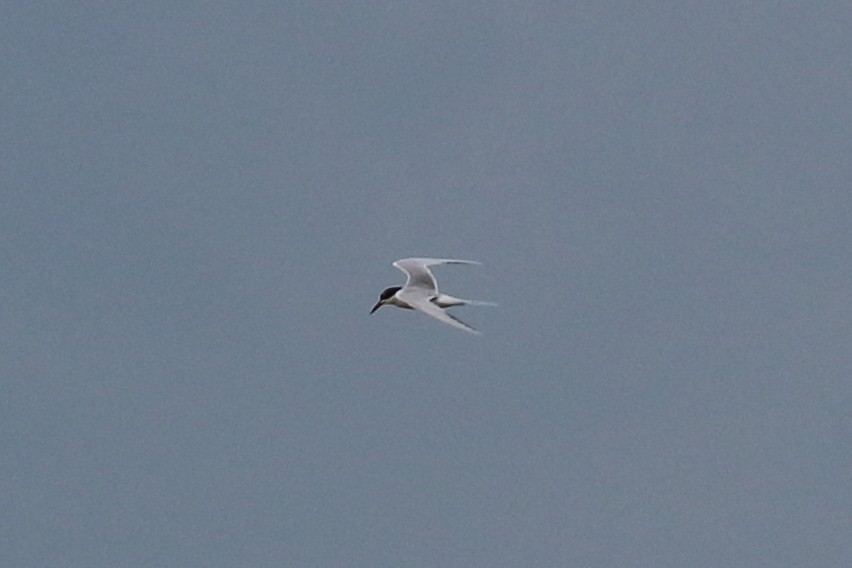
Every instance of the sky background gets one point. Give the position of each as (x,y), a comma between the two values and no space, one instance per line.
(200,202)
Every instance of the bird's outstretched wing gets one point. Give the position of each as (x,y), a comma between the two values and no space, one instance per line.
(419,275)
(425,305)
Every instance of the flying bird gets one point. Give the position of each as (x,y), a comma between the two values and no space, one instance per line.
(421,292)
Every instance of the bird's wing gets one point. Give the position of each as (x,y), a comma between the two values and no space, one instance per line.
(419,275)
(422,303)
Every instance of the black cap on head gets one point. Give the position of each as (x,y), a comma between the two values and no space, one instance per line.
(388,292)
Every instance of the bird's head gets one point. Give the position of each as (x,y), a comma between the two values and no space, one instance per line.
(385,296)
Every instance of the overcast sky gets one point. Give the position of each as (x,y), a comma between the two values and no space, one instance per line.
(200,202)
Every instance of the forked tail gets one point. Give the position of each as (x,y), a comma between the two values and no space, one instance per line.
(479,303)
(446,301)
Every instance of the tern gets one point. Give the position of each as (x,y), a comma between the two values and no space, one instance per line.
(421,292)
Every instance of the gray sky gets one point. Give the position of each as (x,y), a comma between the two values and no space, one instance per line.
(200,203)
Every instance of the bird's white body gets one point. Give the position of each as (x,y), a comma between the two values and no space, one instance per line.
(420,291)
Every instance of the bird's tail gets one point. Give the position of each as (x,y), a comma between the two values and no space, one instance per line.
(446,301)
(479,303)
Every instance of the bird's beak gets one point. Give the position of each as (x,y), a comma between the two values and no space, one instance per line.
(378,305)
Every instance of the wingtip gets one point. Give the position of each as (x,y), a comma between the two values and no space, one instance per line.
(429,260)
